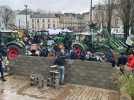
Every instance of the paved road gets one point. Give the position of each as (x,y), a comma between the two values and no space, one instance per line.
(18,88)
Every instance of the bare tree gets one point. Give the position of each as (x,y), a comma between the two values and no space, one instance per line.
(132,17)
(99,15)
(109,12)
(126,9)
(7,15)
(106,13)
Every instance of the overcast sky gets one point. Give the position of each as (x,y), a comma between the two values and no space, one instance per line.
(76,6)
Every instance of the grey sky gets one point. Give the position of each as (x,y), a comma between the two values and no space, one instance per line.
(77,6)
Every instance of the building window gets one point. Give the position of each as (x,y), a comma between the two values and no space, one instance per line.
(43,26)
(54,21)
(53,25)
(48,20)
(37,20)
(43,20)
(116,22)
(32,20)
(33,26)
(48,25)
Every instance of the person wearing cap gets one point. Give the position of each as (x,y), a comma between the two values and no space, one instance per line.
(122,61)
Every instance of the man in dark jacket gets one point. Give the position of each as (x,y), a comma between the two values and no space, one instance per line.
(44,52)
(110,57)
(1,68)
(60,61)
(122,61)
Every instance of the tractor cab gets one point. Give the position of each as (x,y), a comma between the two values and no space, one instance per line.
(7,36)
(82,41)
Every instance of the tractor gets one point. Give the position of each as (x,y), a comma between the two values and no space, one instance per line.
(82,41)
(11,44)
(89,42)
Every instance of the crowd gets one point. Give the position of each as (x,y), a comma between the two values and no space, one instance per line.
(46,46)
(124,62)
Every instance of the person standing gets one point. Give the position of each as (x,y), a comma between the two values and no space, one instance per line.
(82,55)
(78,52)
(1,68)
(131,61)
(73,54)
(60,61)
(110,57)
(122,61)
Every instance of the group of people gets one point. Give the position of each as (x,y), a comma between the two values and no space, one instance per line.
(126,62)
(49,47)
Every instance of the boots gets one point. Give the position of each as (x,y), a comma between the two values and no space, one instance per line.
(3,79)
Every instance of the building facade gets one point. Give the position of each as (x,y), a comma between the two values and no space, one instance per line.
(2,26)
(100,17)
(20,21)
(71,21)
(44,21)
(38,21)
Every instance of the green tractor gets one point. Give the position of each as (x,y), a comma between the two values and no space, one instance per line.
(11,44)
(65,38)
(82,41)
(90,42)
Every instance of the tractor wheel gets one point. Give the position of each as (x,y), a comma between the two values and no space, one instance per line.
(13,52)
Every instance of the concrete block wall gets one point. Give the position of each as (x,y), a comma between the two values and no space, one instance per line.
(91,73)
(25,65)
(79,72)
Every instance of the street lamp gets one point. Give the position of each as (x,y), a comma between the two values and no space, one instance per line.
(91,22)
(26,6)
(91,3)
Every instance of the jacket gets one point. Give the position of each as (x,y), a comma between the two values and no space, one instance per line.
(131,61)
(122,60)
(59,61)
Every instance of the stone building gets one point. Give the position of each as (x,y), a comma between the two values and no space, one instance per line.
(71,21)
(44,21)
(86,20)
(20,19)
(100,17)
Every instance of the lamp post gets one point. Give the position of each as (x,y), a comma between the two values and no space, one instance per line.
(26,6)
(91,22)
(109,15)
(91,3)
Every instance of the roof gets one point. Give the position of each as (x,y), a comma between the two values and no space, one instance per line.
(23,12)
(6,31)
(35,15)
